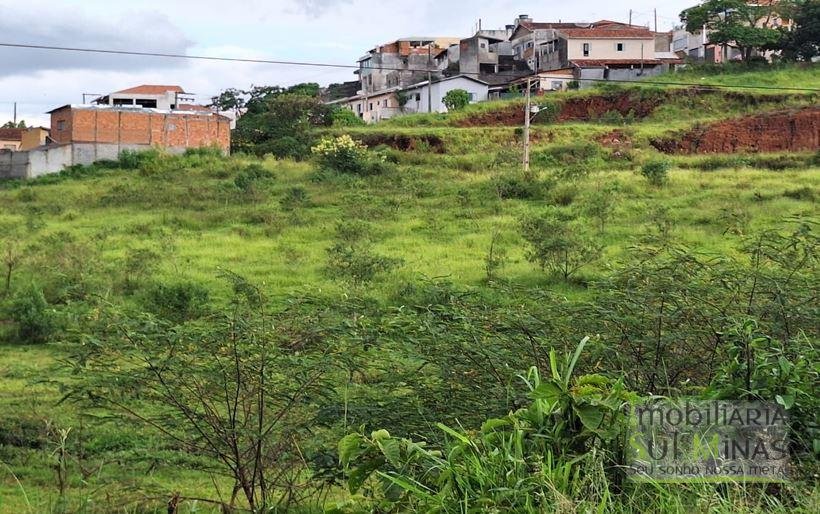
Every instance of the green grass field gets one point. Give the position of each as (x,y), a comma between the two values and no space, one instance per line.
(437,213)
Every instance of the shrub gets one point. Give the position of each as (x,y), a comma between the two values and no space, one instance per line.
(294,197)
(520,188)
(177,302)
(285,147)
(351,256)
(656,172)
(567,155)
(456,99)
(556,245)
(247,180)
(35,319)
(342,153)
(346,118)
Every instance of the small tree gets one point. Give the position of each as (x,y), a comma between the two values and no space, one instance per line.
(735,22)
(601,204)
(803,41)
(238,392)
(656,172)
(456,99)
(557,245)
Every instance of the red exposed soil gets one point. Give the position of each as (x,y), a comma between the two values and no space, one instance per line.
(593,107)
(404,142)
(771,132)
(509,116)
(617,139)
(573,109)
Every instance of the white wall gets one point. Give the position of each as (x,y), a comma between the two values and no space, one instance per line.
(606,48)
(439,89)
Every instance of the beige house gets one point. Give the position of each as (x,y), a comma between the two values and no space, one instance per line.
(11,138)
(372,107)
(34,137)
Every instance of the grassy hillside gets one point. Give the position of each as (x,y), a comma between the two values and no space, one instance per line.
(441,230)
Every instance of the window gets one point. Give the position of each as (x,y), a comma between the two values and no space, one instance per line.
(483,45)
(418,97)
(370,106)
(384,104)
(61,125)
(557,85)
(150,104)
(619,47)
(586,49)
(359,108)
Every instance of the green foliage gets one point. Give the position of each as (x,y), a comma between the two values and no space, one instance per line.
(35,319)
(558,449)
(656,172)
(456,99)
(345,155)
(734,22)
(567,155)
(557,245)
(757,367)
(177,302)
(352,257)
(803,40)
(515,186)
(279,121)
(346,118)
(237,382)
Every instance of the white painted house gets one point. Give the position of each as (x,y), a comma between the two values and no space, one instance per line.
(418,94)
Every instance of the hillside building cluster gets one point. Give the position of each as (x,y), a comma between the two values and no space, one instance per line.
(412,74)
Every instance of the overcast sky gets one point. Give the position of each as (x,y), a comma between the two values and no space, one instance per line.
(335,31)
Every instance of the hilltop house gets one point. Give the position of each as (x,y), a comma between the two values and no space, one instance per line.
(402,62)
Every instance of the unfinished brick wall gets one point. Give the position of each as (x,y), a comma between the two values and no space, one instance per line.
(126,127)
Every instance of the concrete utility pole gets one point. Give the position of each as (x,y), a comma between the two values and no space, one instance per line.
(656,20)
(430,77)
(15,114)
(527,130)
(630,16)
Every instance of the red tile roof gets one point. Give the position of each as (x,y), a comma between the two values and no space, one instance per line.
(11,134)
(148,89)
(605,33)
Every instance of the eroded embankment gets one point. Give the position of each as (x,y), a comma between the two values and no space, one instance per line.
(403,142)
(793,130)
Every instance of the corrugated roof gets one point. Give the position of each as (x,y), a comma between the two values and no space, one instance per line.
(11,134)
(151,89)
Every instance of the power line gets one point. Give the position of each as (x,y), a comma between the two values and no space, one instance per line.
(383,68)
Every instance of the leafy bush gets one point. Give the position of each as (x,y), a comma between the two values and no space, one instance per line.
(558,450)
(137,159)
(520,188)
(35,320)
(343,154)
(456,99)
(248,179)
(177,302)
(557,245)
(656,172)
(346,118)
(293,198)
(351,257)
(567,155)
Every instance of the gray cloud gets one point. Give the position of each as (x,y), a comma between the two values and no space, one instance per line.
(136,31)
